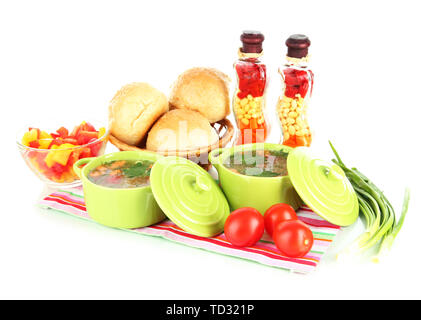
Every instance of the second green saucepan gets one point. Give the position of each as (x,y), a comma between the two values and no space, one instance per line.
(249,191)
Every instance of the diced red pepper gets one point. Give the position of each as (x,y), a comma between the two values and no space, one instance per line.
(70,140)
(84,137)
(34,144)
(55,135)
(33,154)
(63,132)
(38,131)
(74,156)
(86,153)
(75,131)
(57,141)
(41,162)
(58,168)
(95,147)
(86,126)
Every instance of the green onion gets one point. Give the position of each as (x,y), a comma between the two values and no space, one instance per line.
(387,241)
(378,213)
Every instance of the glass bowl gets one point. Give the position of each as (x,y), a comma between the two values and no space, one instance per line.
(55,166)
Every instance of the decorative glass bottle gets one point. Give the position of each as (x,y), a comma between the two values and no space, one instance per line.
(297,89)
(249,96)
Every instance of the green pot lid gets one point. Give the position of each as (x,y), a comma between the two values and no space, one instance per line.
(323,186)
(189,196)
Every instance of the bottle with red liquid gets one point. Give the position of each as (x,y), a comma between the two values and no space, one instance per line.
(297,89)
(249,96)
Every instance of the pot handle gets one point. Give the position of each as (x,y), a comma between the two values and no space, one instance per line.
(77,166)
(214,157)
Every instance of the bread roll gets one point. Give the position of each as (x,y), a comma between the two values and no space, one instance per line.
(133,110)
(204,90)
(181,129)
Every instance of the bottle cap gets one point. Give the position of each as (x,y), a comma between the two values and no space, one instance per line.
(252,41)
(297,46)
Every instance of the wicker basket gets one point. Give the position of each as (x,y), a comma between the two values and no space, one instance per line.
(225,131)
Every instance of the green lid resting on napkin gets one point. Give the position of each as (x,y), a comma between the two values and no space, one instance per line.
(189,196)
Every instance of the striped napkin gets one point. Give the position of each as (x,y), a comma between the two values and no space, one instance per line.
(265,252)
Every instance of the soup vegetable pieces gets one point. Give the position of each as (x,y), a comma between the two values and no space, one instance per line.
(122,174)
(378,213)
(53,154)
(259,163)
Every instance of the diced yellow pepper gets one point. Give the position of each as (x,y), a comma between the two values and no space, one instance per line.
(29,136)
(62,156)
(45,135)
(49,160)
(59,155)
(44,143)
(101,132)
(67,177)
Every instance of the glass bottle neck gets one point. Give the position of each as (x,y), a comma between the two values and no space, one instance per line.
(249,57)
(252,60)
(297,62)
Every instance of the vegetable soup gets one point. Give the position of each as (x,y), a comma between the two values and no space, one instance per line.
(122,174)
(258,163)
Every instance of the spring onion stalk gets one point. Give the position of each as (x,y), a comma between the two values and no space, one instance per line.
(388,240)
(377,211)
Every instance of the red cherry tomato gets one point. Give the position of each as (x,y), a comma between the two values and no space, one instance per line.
(293,238)
(244,227)
(276,214)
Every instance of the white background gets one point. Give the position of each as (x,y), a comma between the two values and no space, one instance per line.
(65,60)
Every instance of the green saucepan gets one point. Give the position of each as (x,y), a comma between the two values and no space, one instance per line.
(250,191)
(119,208)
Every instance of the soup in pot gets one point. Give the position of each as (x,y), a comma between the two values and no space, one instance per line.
(122,174)
(258,163)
